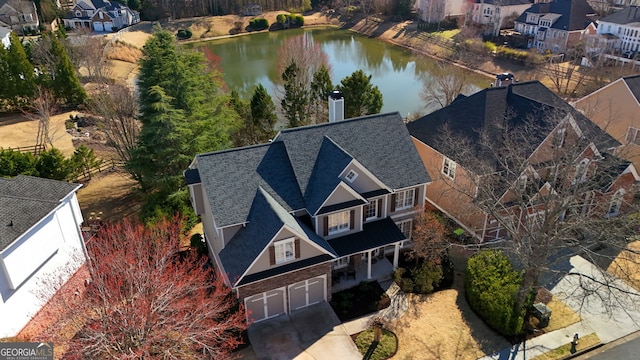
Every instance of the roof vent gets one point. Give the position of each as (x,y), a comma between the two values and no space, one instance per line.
(10,223)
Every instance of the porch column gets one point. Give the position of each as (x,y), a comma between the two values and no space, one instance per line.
(369,264)
(396,255)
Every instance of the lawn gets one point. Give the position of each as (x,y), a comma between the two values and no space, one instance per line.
(565,350)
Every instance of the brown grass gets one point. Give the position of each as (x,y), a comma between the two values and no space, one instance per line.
(565,350)
(112,194)
(124,52)
(21,131)
(626,265)
(561,316)
(442,326)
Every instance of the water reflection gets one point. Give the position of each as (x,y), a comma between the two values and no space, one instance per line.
(249,60)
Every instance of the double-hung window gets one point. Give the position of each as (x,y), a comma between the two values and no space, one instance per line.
(285,250)
(371,210)
(405,227)
(449,168)
(339,222)
(404,199)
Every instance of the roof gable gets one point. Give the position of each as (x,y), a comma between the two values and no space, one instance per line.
(633,83)
(572,13)
(25,200)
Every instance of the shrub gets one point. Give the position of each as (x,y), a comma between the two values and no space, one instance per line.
(259,24)
(197,243)
(492,286)
(298,20)
(421,278)
(184,34)
(14,163)
(490,47)
(281,18)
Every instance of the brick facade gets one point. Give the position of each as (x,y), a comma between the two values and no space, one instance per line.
(285,280)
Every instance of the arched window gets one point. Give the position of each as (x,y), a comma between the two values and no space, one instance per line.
(581,171)
(616,202)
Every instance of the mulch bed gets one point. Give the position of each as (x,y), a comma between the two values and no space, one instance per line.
(358,301)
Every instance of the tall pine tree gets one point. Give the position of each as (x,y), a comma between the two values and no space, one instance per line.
(64,81)
(183,112)
(361,97)
(18,85)
(263,115)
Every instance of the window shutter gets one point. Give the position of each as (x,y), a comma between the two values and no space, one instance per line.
(272,255)
(416,193)
(364,211)
(352,220)
(393,202)
(296,245)
(379,208)
(325,225)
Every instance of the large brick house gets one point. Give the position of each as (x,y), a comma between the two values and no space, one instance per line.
(562,152)
(282,220)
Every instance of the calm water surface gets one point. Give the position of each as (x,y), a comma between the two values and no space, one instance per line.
(250,60)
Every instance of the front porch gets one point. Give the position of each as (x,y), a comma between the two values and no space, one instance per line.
(350,276)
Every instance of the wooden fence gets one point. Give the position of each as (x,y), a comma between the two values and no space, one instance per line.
(33,149)
(105,165)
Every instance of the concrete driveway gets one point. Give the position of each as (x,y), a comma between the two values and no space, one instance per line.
(313,333)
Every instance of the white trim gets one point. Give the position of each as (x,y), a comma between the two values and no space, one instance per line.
(306,286)
(340,224)
(351,176)
(282,244)
(342,185)
(264,303)
(373,202)
(451,167)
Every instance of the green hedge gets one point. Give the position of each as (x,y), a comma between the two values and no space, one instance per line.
(184,34)
(292,19)
(259,24)
(492,286)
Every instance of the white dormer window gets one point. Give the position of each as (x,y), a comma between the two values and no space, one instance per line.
(616,202)
(78,13)
(285,250)
(339,222)
(581,171)
(352,175)
(449,168)
(371,210)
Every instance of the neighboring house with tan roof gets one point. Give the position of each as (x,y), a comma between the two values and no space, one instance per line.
(616,109)
(289,221)
(20,15)
(41,243)
(558,137)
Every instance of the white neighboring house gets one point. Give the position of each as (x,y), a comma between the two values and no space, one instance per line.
(619,31)
(5,37)
(433,11)
(40,239)
(492,13)
(99,15)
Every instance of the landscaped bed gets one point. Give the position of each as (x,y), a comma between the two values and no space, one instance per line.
(358,301)
(386,348)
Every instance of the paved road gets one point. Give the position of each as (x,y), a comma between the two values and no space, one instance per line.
(627,350)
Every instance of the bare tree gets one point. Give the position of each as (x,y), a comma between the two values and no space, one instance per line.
(550,191)
(117,108)
(443,84)
(41,109)
(146,298)
(89,51)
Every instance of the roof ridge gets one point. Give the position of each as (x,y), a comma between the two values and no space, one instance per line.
(350,120)
(234,149)
(28,198)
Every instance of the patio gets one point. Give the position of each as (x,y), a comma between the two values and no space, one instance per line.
(343,279)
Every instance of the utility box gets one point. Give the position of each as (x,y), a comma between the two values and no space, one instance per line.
(543,313)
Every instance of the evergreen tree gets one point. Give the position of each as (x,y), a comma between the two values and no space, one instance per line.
(18,83)
(361,97)
(263,115)
(296,97)
(321,87)
(183,112)
(64,81)
(244,135)
(52,164)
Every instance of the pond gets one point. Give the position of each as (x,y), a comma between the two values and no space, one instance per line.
(249,60)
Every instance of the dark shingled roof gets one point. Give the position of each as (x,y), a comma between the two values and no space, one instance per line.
(485,112)
(504,2)
(633,82)
(373,235)
(627,15)
(25,200)
(265,220)
(573,13)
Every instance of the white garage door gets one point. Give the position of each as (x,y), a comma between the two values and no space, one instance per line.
(266,305)
(308,292)
(108,26)
(97,26)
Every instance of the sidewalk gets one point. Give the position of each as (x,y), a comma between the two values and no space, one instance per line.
(617,318)
(399,305)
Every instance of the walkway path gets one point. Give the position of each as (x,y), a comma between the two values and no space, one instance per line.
(611,311)
(399,305)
